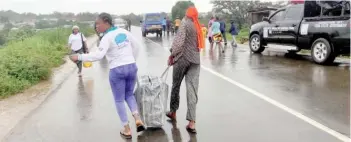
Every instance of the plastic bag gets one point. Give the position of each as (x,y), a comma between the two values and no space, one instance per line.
(151,95)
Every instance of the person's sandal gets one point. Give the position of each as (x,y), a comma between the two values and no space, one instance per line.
(140,126)
(171,115)
(190,130)
(126,136)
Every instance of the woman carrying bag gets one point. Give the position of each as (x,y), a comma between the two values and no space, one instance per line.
(77,43)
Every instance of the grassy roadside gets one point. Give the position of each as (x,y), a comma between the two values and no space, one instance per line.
(26,62)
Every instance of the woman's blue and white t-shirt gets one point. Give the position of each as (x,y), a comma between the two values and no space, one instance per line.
(119,46)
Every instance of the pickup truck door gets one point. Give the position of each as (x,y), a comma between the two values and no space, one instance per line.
(270,32)
(289,27)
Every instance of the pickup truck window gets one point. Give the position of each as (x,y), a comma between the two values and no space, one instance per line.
(294,12)
(278,16)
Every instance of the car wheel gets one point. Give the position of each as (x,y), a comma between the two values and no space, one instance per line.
(322,52)
(160,34)
(256,44)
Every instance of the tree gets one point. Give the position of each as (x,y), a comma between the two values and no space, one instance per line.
(179,9)
(135,19)
(4,19)
(238,10)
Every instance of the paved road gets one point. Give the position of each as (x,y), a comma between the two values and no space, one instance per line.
(242,97)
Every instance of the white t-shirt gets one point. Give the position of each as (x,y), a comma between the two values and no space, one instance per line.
(119,46)
(75,41)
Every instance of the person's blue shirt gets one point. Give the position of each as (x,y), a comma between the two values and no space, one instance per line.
(216,28)
(233,30)
(164,22)
(222,26)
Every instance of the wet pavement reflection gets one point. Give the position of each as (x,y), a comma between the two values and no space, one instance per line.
(83,109)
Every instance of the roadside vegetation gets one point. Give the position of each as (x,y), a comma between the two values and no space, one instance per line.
(29,56)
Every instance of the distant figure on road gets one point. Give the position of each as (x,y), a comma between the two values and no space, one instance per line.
(177,22)
(223,27)
(185,57)
(233,32)
(121,50)
(164,25)
(209,34)
(217,34)
(204,30)
(129,22)
(169,25)
(77,44)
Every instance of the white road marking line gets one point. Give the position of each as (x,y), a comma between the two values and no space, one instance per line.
(277,104)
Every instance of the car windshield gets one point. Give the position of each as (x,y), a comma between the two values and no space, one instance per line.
(153,18)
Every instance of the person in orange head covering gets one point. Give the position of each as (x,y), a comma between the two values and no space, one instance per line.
(185,58)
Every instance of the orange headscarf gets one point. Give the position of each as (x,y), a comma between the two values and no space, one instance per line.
(193,14)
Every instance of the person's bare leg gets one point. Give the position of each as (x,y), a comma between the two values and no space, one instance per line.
(192,85)
(126,130)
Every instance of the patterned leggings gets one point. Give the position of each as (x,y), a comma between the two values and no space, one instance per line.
(183,68)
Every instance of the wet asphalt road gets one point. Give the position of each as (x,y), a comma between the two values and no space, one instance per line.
(83,109)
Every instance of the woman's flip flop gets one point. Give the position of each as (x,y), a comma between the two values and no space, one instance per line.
(190,130)
(125,135)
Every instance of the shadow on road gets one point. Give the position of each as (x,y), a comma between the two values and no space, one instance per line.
(154,135)
(84,101)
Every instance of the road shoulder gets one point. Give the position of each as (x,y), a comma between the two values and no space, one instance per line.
(19,106)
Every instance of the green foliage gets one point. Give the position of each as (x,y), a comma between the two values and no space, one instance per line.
(238,10)
(179,9)
(135,19)
(26,62)
(20,34)
(242,37)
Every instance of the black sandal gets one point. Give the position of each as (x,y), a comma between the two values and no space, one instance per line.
(190,130)
(140,128)
(125,135)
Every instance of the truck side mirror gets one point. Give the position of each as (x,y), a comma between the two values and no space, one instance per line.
(265,19)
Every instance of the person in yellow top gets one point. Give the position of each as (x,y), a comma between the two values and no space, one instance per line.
(204,30)
(177,22)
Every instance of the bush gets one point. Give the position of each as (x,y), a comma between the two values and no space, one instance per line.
(26,62)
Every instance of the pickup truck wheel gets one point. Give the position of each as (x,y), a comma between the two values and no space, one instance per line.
(255,44)
(322,52)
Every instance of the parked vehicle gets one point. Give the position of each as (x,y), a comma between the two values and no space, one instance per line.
(152,23)
(320,26)
(120,23)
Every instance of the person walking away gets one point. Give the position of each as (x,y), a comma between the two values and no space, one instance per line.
(223,27)
(209,34)
(121,50)
(129,22)
(217,34)
(185,58)
(169,25)
(77,44)
(204,30)
(233,32)
(164,25)
(177,22)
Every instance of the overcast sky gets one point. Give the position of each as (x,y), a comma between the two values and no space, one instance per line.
(110,6)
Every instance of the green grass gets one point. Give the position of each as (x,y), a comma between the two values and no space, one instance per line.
(26,62)
(242,37)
